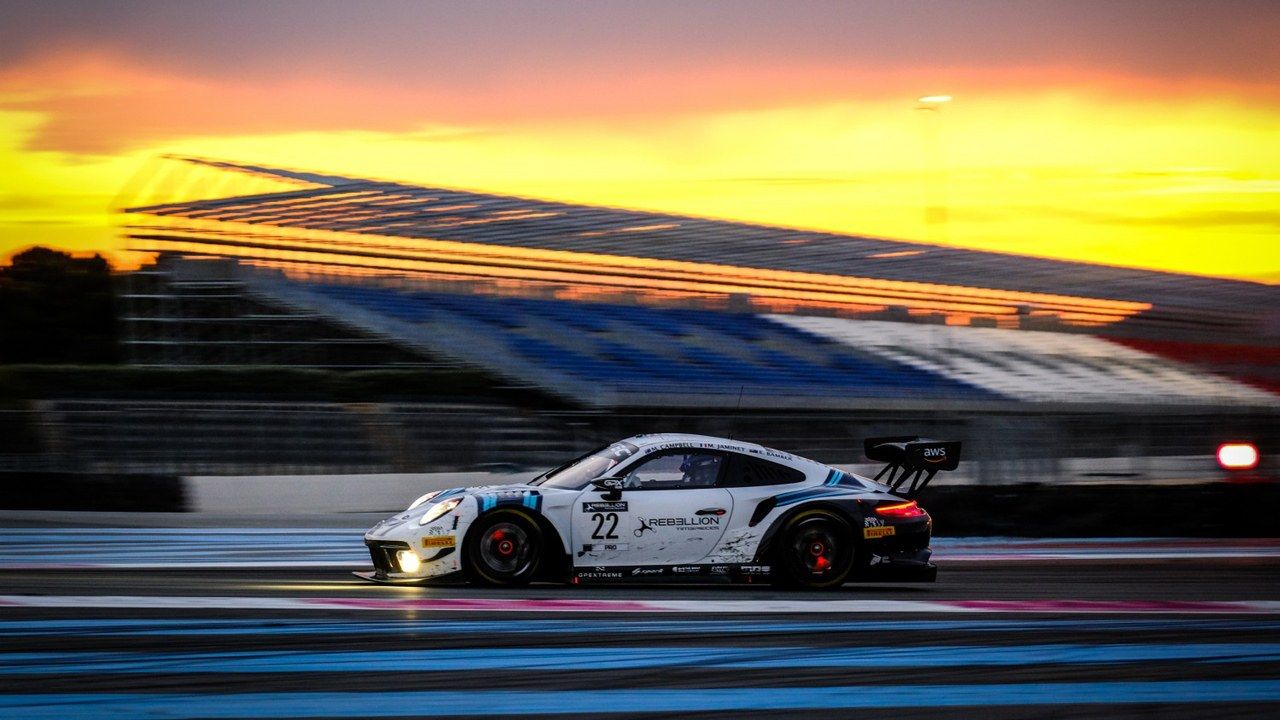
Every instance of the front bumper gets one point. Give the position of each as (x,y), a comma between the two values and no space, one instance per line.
(383,553)
(386,564)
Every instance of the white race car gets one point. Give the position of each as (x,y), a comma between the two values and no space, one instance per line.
(676,507)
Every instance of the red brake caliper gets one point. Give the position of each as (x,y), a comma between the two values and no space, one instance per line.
(818,550)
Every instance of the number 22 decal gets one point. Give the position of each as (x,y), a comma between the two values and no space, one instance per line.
(601,519)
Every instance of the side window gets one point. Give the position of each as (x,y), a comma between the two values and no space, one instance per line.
(672,471)
(745,472)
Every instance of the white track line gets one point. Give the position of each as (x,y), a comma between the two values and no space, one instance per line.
(342,561)
(569,605)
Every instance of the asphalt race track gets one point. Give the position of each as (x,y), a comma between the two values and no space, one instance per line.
(114,623)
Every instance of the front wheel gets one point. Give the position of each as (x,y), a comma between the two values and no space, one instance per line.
(504,548)
(816,551)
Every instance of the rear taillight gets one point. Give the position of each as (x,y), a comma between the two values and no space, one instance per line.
(900,510)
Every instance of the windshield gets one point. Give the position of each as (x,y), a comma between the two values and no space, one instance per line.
(576,474)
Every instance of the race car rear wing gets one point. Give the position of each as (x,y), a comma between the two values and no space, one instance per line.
(911,461)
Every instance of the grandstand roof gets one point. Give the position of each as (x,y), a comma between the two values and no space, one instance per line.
(871,273)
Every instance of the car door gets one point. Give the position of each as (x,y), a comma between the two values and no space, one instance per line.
(669,512)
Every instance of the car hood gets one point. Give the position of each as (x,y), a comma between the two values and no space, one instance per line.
(475,490)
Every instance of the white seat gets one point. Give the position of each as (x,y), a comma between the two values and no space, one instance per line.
(1033,365)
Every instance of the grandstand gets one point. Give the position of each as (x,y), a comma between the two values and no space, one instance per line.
(1035,366)
(616,308)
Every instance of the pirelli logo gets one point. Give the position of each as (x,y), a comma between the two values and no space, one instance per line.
(438,541)
(877,532)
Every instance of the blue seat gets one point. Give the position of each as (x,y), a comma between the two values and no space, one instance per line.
(632,347)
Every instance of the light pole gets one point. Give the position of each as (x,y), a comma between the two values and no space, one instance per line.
(933,170)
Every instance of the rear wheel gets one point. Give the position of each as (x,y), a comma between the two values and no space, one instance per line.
(816,550)
(504,548)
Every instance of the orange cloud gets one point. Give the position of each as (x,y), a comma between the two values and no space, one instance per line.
(102,102)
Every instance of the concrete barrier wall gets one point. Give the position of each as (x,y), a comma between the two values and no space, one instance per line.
(99,492)
(1073,471)
(320,494)
(389,492)
(1097,508)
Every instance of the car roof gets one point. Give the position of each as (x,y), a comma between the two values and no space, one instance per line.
(648,439)
(713,442)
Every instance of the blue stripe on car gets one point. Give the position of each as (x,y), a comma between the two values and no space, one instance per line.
(796,496)
(531,499)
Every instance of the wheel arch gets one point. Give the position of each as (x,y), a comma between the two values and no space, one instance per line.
(555,561)
(847,510)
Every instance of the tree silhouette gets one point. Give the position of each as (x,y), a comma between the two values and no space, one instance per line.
(56,309)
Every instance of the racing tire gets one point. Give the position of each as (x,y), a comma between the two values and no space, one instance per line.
(815,551)
(503,548)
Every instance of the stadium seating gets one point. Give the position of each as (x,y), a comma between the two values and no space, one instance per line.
(601,353)
(1035,366)
(651,351)
(1255,365)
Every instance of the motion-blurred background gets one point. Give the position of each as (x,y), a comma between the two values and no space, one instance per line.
(242,276)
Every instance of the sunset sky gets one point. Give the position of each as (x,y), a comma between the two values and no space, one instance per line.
(1132,133)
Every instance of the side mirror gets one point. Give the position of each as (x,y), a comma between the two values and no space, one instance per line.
(610,486)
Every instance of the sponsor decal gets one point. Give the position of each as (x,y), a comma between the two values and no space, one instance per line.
(439,541)
(755,569)
(686,523)
(878,532)
(935,454)
(719,569)
(620,506)
(603,547)
(646,571)
(599,575)
(609,483)
(621,451)
(705,445)
(872,522)
(687,570)
(644,527)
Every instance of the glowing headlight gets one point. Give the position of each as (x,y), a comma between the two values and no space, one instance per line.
(423,499)
(409,561)
(439,509)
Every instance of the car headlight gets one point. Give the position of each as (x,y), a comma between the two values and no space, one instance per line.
(409,562)
(423,499)
(439,509)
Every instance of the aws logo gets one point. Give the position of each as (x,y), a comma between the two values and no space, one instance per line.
(934,454)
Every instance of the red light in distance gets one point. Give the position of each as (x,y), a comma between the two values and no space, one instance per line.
(1237,456)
